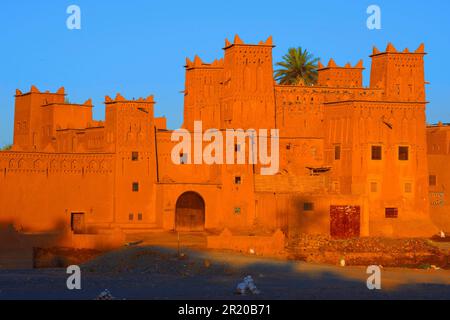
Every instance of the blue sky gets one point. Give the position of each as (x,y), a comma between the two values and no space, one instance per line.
(138,47)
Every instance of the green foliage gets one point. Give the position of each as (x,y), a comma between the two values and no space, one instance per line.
(6,148)
(298,67)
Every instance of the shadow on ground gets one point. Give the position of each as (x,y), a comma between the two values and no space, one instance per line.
(160,273)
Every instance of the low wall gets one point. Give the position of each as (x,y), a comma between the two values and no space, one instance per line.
(259,245)
(113,240)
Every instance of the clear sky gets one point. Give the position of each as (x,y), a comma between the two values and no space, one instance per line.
(138,47)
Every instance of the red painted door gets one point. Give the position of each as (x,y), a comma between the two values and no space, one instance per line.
(345,222)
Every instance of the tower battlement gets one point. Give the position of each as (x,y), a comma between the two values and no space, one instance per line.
(336,76)
(238,42)
(120,99)
(400,73)
(35,90)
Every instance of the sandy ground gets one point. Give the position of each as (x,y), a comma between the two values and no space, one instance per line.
(158,273)
(148,271)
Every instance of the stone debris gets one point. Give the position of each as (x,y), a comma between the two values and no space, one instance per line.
(105,295)
(132,244)
(409,253)
(247,287)
(150,261)
(435,267)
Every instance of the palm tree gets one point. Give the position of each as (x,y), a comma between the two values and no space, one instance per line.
(298,67)
(6,148)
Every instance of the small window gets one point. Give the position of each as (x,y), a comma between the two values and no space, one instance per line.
(183,158)
(337,152)
(237,211)
(237,148)
(391,213)
(131,216)
(237,180)
(140,216)
(308,206)
(376,153)
(408,187)
(432,180)
(373,187)
(134,156)
(403,153)
(135,187)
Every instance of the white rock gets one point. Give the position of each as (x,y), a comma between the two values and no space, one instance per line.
(247,286)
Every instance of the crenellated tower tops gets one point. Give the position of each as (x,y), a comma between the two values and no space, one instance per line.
(347,76)
(399,73)
(129,123)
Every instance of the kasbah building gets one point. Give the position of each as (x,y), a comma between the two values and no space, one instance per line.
(354,161)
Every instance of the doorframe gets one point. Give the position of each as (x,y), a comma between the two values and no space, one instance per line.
(176,211)
(72,215)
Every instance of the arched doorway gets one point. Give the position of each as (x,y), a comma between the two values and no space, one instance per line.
(190,212)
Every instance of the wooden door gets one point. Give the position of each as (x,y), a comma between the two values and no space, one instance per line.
(190,212)
(78,224)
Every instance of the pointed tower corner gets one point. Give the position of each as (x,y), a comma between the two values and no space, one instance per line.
(18,92)
(375,51)
(188,63)
(197,61)
(227,43)
(34,89)
(217,63)
(88,102)
(421,48)
(61,90)
(390,48)
(332,63)
(237,40)
(269,41)
(119,97)
(360,64)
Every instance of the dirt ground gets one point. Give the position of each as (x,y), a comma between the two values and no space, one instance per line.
(153,269)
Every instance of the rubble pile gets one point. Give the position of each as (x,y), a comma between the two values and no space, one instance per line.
(150,261)
(366,251)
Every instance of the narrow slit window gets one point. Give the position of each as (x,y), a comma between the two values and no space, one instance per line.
(337,152)
(433,180)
